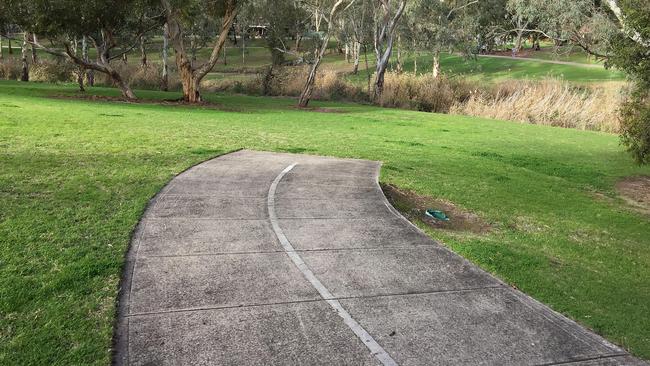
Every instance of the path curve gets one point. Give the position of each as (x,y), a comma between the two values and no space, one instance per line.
(258,258)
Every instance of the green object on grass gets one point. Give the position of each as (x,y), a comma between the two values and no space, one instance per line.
(438,215)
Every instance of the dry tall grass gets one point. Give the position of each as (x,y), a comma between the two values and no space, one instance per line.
(547,102)
(424,93)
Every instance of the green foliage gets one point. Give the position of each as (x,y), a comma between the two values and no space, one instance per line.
(635,126)
(630,52)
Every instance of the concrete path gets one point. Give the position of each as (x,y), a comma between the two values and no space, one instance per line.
(258,258)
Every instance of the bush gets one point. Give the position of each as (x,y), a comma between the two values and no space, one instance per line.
(53,71)
(10,69)
(635,125)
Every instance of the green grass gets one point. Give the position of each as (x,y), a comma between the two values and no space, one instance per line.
(75,177)
(496,69)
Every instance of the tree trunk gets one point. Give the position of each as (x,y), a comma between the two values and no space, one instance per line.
(34,56)
(125,89)
(143,53)
(347,52)
(385,33)
(415,64)
(243,49)
(191,76)
(191,91)
(24,75)
(90,74)
(357,57)
(368,74)
(11,50)
(2,51)
(305,96)
(298,41)
(517,47)
(164,83)
(379,78)
(436,64)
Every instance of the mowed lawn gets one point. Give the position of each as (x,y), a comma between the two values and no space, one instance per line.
(75,176)
(499,69)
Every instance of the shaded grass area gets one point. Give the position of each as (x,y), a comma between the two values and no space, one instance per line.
(75,177)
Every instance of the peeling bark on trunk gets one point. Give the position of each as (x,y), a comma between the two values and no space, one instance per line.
(24,75)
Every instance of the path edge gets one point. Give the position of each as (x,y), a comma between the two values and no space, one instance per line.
(120,339)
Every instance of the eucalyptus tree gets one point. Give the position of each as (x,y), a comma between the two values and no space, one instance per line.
(387,16)
(110,26)
(181,17)
(358,28)
(335,9)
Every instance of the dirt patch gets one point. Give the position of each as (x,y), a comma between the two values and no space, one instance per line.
(636,192)
(413,206)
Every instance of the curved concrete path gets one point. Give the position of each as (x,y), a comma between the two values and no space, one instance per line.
(259,258)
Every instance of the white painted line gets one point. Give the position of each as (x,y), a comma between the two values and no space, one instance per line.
(374,347)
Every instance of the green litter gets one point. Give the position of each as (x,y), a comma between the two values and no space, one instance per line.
(438,215)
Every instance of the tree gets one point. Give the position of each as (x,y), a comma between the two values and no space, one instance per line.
(338,7)
(178,22)
(629,50)
(108,25)
(384,34)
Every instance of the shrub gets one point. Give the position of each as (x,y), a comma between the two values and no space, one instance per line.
(10,69)
(635,125)
(53,71)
